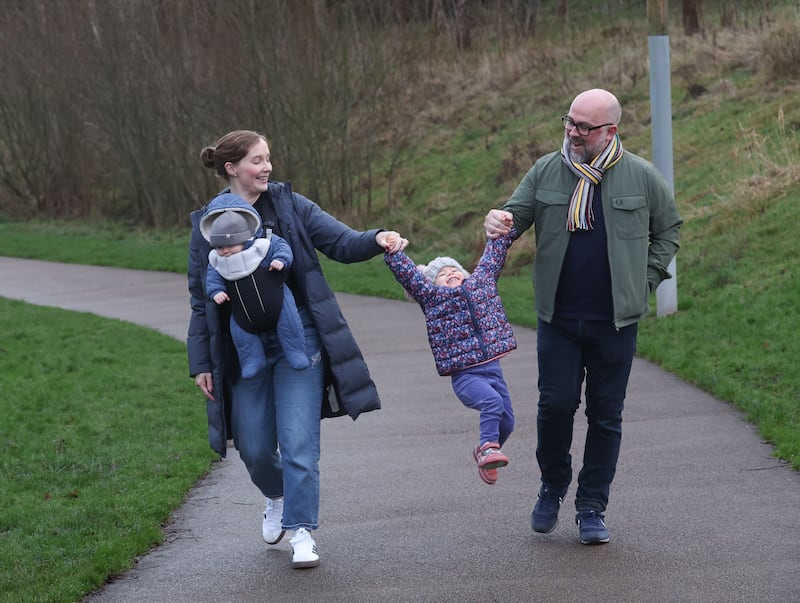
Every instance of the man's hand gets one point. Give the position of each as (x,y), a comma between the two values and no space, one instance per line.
(498,223)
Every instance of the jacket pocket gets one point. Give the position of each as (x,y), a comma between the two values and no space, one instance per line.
(631,216)
(552,210)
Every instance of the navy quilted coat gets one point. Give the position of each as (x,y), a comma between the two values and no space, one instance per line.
(307,228)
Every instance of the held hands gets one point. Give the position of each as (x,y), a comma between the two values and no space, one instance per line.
(391,241)
(498,223)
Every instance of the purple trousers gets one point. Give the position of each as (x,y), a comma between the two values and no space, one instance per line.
(483,388)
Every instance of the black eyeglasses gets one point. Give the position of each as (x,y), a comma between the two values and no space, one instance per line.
(583,129)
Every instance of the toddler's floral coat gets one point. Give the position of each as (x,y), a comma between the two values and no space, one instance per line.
(467,325)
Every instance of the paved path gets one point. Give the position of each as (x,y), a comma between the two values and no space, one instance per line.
(700,510)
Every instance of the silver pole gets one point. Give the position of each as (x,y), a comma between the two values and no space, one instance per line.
(661,116)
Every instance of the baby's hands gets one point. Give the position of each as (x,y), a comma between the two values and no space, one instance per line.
(221,297)
(276,265)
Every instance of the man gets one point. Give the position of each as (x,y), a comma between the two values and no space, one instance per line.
(606,229)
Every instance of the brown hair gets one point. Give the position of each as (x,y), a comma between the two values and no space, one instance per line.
(232,147)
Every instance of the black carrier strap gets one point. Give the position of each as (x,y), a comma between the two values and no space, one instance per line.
(257,299)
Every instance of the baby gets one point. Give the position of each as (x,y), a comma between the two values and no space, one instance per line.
(247,271)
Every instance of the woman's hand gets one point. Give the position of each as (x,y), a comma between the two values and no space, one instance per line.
(391,241)
(206,384)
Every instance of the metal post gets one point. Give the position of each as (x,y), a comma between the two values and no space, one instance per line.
(661,116)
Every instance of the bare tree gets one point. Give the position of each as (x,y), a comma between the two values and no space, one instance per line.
(43,163)
(107,103)
(563,13)
(453,18)
(531,17)
(690,13)
(149,100)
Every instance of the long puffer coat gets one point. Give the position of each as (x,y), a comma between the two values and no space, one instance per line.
(307,228)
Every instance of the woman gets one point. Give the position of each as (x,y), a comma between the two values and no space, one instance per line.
(274,416)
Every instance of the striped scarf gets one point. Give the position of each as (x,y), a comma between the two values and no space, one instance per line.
(589,175)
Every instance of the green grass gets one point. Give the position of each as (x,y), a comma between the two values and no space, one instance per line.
(103,434)
(104,244)
(736,334)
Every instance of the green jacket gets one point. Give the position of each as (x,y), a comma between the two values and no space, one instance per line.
(641,222)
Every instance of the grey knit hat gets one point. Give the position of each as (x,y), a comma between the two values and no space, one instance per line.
(432,269)
(229,227)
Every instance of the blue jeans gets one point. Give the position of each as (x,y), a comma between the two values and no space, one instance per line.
(483,388)
(275,418)
(570,351)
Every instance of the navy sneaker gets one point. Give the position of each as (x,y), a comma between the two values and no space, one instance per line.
(592,528)
(545,514)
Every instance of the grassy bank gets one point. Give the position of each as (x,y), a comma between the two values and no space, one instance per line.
(103,434)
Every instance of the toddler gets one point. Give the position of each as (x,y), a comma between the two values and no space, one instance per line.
(468,332)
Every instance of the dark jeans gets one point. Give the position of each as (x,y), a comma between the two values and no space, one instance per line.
(571,351)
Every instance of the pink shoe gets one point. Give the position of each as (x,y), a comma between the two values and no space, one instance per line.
(488,460)
(490,456)
(487,475)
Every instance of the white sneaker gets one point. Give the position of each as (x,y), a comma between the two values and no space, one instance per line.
(304,549)
(271,529)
